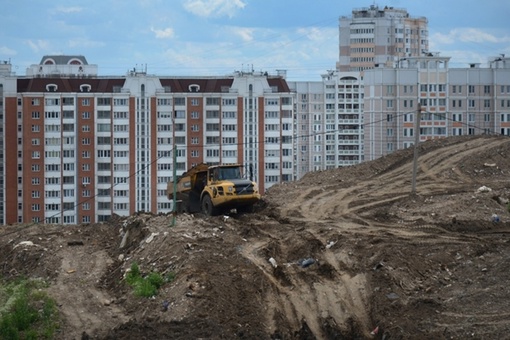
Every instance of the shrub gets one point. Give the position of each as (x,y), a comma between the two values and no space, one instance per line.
(144,286)
(21,315)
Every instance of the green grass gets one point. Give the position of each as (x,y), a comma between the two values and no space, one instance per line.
(146,286)
(26,312)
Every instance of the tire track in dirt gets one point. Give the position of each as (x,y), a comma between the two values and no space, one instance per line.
(90,309)
(301,300)
(327,204)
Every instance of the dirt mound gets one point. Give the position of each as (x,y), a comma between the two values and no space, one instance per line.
(345,253)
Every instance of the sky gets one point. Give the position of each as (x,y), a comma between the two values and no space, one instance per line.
(219,37)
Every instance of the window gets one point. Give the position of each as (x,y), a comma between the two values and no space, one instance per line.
(179,101)
(102,114)
(229,114)
(212,140)
(229,127)
(213,153)
(120,115)
(103,153)
(229,102)
(212,127)
(85,115)
(212,101)
(120,128)
(212,114)
(120,102)
(104,140)
(85,102)
(104,101)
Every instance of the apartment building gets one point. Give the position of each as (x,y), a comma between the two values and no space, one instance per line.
(77,147)
(328,122)
(453,101)
(379,36)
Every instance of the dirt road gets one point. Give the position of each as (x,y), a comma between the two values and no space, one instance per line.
(353,254)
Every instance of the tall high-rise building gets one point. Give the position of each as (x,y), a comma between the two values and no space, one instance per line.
(380,36)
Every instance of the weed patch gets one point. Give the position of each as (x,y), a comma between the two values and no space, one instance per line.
(146,286)
(26,312)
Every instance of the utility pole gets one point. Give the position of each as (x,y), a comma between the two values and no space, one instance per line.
(174,205)
(416,141)
(174,168)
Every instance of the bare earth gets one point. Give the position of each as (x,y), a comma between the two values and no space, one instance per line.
(385,264)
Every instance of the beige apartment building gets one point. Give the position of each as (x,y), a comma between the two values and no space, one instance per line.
(374,36)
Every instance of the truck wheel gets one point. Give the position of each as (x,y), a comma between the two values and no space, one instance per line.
(207,206)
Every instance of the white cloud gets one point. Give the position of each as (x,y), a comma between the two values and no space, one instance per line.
(208,8)
(245,33)
(164,33)
(74,9)
(312,33)
(85,43)
(38,45)
(470,35)
(7,51)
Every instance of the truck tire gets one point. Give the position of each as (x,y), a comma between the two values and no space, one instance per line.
(207,206)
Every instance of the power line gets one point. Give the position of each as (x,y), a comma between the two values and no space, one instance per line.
(164,153)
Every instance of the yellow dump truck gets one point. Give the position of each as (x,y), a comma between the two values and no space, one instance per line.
(214,189)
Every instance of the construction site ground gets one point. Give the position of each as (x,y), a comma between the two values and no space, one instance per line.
(348,253)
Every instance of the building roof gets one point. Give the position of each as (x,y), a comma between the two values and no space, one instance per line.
(205,85)
(69,84)
(63,60)
(110,85)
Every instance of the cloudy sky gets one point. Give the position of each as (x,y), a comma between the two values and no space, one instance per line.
(217,37)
